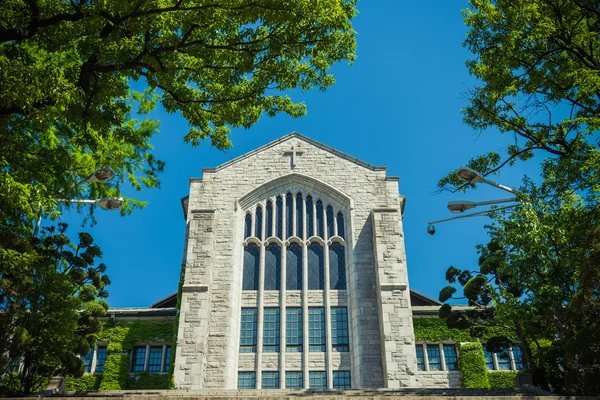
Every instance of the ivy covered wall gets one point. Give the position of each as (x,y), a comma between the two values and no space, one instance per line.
(120,338)
(471,361)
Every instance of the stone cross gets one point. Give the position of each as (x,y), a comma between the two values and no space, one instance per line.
(293,152)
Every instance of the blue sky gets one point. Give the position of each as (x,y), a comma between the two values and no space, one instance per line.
(397,106)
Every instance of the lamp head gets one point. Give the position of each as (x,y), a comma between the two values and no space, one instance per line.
(458,206)
(111,203)
(101,175)
(469,175)
(431,230)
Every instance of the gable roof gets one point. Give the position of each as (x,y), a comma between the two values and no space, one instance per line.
(303,138)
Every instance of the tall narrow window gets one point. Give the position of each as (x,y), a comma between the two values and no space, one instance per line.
(289,217)
(330,232)
(317,380)
(316,329)
(503,358)
(100,359)
(316,273)
(340,225)
(341,379)
(310,217)
(248,330)
(489,359)
(155,358)
(270,380)
(293,329)
(299,215)
(420,357)
(293,380)
(167,359)
(518,356)
(293,278)
(251,266)
(337,267)
(273,267)
(433,355)
(246,380)
(450,357)
(271,330)
(279,217)
(320,220)
(139,358)
(339,329)
(258,223)
(248,226)
(269,218)
(87,360)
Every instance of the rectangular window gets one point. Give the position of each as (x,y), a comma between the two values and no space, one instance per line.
(293,380)
(339,329)
(503,360)
(15,365)
(87,360)
(317,380)
(246,380)
(248,330)
(518,357)
(270,380)
(420,357)
(433,354)
(100,359)
(450,356)
(489,359)
(316,329)
(271,330)
(155,358)
(341,379)
(139,358)
(167,359)
(293,329)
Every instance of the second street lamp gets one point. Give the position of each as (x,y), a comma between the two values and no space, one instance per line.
(458,206)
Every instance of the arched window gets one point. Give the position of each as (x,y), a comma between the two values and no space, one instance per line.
(279,217)
(337,267)
(289,218)
(299,215)
(329,221)
(293,276)
(251,266)
(309,217)
(258,223)
(269,217)
(316,272)
(320,220)
(340,225)
(248,226)
(273,267)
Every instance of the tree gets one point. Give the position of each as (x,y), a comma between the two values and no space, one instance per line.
(51,295)
(67,71)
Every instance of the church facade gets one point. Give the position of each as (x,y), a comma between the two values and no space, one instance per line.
(295,274)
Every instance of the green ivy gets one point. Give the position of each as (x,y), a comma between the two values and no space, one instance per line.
(86,383)
(434,329)
(147,380)
(471,364)
(503,379)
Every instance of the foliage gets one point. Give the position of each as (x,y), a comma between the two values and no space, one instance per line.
(51,298)
(146,380)
(72,75)
(471,363)
(84,383)
(116,372)
(436,330)
(503,379)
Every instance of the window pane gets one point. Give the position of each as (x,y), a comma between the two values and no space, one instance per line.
(271,330)
(433,354)
(317,380)
(310,231)
(269,218)
(293,329)
(139,357)
(87,360)
(100,359)
(339,329)
(337,267)
(258,223)
(340,226)
(248,226)
(330,232)
(248,330)
(518,356)
(293,279)
(316,329)
(420,357)
(270,380)
(341,379)
(503,360)
(299,215)
(273,267)
(15,365)
(279,217)
(316,274)
(320,220)
(167,359)
(489,359)
(251,265)
(450,356)
(289,217)
(155,358)
(293,380)
(246,380)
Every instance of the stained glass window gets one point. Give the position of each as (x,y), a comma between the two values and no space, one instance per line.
(340,226)
(317,380)
(251,266)
(167,359)
(330,232)
(270,380)
(293,380)
(489,359)
(320,220)
(87,360)
(271,330)
(155,358)
(518,357)
(100,359)
(420,357)
(316,273)
(279,217)
(248,330)
(310,231)
(316,329)
(339,329)
(139,358)
(435,360)
(246,380)
(450,357)
(258,223)
(503,360)
(293,329)
(273,267)
(293,278)
(289,218)
(341,379)
(269,218)
(337,267)
(248,226)
(299,213)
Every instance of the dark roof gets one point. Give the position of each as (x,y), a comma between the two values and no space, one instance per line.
(166,302)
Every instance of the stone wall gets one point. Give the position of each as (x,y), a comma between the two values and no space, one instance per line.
(439,379)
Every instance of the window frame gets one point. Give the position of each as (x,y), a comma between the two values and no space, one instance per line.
(166,348)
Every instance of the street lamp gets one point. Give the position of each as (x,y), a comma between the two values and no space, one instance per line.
(108,203)
(431,227)
(458,206)
(101,175)
(469,175)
